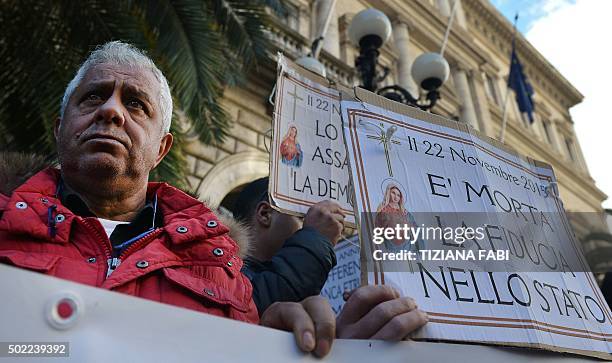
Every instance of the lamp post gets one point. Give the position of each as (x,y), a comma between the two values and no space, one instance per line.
(369,30)
(312,64)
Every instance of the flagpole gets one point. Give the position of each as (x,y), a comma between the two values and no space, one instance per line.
(505,115)
(448,27)
(502,136)
(319,45)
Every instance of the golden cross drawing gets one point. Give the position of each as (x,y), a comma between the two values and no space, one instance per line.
(385,138)
(295,98)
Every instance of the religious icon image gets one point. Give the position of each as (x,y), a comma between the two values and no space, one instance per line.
(290,149)
(392,212)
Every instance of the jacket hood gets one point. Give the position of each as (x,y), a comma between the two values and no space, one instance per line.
(238,231)
(17,168)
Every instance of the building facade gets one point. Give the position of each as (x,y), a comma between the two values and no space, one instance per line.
(478,51)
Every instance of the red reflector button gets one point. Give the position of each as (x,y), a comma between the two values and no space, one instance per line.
(65,309)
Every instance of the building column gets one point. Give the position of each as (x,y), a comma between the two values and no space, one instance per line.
(444,7)
(481,102)
(401,39)
(468,113)
(460,14)
(331,39)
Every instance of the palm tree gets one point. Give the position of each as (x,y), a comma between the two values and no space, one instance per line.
(201,46)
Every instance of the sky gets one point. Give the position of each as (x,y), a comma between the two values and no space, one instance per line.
(575,38)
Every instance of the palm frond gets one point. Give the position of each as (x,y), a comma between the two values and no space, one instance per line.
(201,46)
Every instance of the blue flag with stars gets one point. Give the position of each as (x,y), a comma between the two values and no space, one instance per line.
(522,89)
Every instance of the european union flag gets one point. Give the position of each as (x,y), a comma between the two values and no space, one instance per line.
(518,82)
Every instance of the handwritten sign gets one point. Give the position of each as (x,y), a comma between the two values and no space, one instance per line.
(308,160)
(345,276)
(518,277)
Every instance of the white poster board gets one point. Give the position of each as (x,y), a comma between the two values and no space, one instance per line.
(420,170)
(308,161)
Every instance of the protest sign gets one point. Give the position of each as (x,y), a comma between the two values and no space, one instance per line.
(471,230)
(112,327)
(308,161)
(345,276)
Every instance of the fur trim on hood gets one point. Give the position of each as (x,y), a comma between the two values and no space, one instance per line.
(239,232)
(17,168)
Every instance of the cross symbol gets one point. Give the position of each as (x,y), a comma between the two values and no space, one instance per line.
(385,140)
(295,98)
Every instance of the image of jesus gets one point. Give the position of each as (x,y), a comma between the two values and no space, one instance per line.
(290,150)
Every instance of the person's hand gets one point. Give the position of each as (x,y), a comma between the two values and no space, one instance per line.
(312,321)
(378,312)
(327,218)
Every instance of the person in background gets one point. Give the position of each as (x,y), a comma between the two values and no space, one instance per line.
(290,257)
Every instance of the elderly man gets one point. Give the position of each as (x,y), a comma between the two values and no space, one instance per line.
(98,221)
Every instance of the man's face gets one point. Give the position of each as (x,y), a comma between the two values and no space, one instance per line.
(284,225)
(112,125)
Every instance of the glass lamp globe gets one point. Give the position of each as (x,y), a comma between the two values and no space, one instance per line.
(369,22)
(312,65)
(430,71)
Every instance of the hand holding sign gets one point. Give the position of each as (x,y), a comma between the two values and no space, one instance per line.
(312,321)
(378,312)
(327,218)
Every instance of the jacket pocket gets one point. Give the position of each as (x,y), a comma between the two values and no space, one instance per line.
(232,292)
(42,262)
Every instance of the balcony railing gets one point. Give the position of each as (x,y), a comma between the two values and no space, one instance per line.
(295,45)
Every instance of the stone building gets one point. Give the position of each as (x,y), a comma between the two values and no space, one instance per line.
(478,52)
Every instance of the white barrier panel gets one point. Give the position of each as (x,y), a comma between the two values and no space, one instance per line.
(112,327)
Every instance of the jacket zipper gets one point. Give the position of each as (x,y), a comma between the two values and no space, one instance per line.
(107,246)
(139,243)
(112,261)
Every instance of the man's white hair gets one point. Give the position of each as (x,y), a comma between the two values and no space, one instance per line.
(123,54)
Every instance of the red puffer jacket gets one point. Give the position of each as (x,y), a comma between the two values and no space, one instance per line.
(190,262)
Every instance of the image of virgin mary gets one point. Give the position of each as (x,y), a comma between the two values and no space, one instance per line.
(290,149)
(391,212)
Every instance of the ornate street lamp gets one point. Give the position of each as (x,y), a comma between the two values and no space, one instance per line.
(369,30)
(312,64)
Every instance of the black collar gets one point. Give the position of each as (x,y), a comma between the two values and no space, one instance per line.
(147,219)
